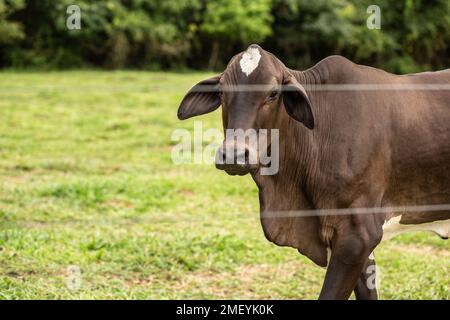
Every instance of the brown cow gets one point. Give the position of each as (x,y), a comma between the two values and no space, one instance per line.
(355,144)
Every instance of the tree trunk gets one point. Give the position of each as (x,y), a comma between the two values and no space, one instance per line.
(214,55)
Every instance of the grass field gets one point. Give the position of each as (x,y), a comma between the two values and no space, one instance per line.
(87,181)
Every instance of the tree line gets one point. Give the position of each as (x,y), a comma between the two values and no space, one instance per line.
(201,34)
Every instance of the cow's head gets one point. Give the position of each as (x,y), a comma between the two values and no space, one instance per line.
(256,90)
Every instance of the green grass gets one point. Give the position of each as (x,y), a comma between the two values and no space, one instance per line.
(87,180)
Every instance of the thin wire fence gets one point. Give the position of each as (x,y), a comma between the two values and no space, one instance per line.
(228,88)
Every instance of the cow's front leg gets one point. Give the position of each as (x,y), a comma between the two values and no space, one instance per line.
(350,251)
(366,286)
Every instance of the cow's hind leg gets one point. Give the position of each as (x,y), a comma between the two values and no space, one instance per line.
(366,286)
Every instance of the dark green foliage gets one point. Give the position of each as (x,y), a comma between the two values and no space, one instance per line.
(414,35)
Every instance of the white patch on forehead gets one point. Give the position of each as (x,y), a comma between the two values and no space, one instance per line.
(250,60)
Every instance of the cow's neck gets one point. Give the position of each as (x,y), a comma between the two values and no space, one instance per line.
(298,147)
(298,152)
(288,191)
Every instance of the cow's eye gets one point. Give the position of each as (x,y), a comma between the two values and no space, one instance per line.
(273,94)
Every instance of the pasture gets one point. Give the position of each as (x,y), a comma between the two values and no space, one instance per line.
(86,180)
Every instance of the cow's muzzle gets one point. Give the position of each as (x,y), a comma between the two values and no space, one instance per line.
(236,160)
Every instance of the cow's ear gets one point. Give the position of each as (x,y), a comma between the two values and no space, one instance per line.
(296,102)
(204,97)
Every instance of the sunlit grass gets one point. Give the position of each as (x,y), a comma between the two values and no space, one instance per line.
(87,180)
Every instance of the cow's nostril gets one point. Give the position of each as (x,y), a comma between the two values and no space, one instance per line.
(242,157)
(220,157)
(246,155)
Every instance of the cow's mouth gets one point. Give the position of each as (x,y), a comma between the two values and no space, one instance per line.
(237,169)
